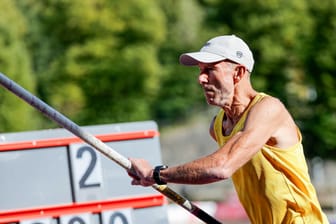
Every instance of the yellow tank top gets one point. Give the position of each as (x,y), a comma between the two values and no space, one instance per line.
(274,186)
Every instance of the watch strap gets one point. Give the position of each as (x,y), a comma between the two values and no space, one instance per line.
(156,174)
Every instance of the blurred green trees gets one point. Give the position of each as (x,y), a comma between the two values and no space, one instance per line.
(15,61)
(101,61)
(98,61)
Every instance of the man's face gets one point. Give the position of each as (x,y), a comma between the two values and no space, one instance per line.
(217,82)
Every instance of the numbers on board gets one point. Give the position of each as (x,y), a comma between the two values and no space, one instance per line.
(76,220)
(84,218)
(83,181)
(87,173)
(118,218)
(122,216)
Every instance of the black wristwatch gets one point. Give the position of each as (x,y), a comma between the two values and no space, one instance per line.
(156,174)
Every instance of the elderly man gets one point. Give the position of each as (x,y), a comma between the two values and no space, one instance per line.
(260,146)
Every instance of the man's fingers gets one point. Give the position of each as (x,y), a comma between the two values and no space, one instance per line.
(132,174)
(135,182)
(140,182)
(140,171)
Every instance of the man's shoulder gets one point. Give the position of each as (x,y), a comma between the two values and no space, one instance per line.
(270,106)
(271,100)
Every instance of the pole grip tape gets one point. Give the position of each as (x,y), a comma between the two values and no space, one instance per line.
(186,204)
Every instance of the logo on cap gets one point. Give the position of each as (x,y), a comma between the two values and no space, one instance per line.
(239,54)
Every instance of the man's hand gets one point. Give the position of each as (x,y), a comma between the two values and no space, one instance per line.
(141,172)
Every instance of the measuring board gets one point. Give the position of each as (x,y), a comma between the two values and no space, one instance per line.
(53,177)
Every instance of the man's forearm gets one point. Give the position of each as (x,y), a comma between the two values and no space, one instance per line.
(202,171)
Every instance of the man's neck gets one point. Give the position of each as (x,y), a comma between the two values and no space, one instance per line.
(239,104)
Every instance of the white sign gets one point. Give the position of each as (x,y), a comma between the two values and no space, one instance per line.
(86,172)
(37,221)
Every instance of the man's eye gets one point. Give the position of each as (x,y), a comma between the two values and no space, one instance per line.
(207,70)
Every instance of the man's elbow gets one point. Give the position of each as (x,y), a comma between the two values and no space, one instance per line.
(222,173)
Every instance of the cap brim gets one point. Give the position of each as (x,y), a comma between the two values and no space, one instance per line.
(191,59)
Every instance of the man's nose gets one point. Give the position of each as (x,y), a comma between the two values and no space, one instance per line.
(203,78)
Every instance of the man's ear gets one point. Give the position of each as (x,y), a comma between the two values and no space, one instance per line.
(239,73)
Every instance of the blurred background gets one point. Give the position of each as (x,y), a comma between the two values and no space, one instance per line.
(108,61)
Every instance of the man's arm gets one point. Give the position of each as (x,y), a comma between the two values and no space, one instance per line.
(263,121)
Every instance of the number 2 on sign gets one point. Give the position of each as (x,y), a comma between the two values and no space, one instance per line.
(83,181)
(86,166)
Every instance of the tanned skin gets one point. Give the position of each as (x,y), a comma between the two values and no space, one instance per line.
(227,85)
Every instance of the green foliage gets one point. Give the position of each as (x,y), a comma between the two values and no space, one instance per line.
(180,93)
(103,63)
(15,62)
(319,58)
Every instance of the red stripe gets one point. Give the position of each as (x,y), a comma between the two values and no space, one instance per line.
(77,208)
(33,144)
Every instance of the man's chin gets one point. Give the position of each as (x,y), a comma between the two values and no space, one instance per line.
(211,102)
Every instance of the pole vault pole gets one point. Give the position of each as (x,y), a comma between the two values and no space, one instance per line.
(66,123)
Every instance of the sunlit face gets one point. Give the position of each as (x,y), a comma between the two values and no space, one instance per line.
(217,82)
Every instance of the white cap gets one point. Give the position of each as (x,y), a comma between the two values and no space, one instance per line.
(220,48)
